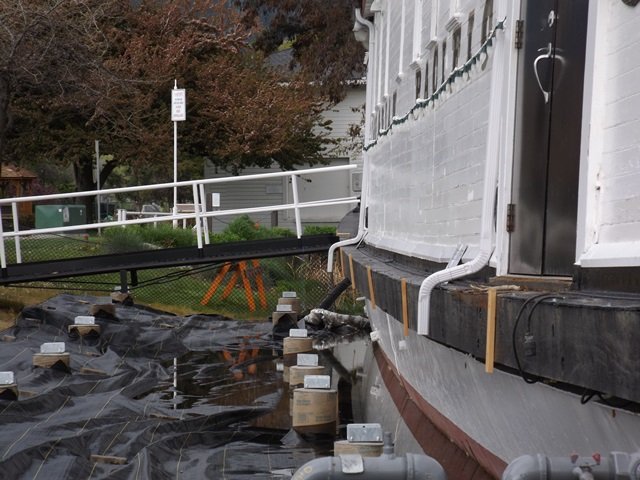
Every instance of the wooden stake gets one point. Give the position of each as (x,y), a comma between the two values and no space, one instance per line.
(372,294)
(352,273)
(405,307)
(492,296)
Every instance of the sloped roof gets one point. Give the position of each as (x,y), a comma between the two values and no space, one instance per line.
(12,172)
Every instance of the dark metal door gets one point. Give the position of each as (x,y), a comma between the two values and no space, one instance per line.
(547,143)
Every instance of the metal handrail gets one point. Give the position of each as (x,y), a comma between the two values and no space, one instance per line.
(183,183)
(200,215)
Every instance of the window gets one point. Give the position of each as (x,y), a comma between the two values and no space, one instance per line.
(470,34)
(444,56)
(418,83)
(457,36)
(487,20)
(426,80)
(434,72)
(393,105)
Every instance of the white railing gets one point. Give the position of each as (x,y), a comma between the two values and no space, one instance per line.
(199,215)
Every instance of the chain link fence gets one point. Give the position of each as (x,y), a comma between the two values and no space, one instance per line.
(246,289)
(240,290)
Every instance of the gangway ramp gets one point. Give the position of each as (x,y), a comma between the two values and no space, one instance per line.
(16,267)
(168,257)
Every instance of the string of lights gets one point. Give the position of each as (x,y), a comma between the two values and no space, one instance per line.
(453,76)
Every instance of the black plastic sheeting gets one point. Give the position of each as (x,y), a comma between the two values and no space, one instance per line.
(221,415)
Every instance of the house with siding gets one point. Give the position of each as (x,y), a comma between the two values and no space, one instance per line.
(277,191)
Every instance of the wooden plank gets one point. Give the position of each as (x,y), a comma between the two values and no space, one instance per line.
(372,294)
(405,306)
(103,309)
(352,273)
(108,459)
(48,360)
(9,392)
(84,330)
(492,296)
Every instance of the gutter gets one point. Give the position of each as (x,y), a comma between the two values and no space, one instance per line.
(487,232)
(365,173)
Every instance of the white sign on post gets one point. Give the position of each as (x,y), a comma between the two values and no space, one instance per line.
(178,105)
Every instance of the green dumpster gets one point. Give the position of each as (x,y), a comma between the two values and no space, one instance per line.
(52,216)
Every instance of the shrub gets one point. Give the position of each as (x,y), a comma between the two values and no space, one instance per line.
(319,230)
(243,228)
(165,236)
(119,240)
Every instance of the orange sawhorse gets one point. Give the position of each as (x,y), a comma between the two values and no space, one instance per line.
(238,270)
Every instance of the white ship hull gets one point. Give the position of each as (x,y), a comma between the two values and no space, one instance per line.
(501,150)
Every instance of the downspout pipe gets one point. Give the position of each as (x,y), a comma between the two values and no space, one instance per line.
(372,45)
(365,176)
(361,220)
(487,232)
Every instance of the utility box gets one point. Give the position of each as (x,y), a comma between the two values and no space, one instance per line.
(52,216)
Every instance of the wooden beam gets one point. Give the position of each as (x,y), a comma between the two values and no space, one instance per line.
(352,273)
(372,294)
(490,355)
(405,307)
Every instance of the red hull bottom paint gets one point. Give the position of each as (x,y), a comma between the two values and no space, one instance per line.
(462,457)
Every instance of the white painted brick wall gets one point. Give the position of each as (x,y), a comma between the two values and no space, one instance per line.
(619,209)
(427,174)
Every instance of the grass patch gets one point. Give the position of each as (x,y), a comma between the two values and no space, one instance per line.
(14,299)
(179,289)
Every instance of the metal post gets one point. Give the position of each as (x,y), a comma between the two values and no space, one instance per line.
(3,255)
(175,382)
(123,281)
(296,209)
(196,207)
(205,220)
(98,183)
(175,170)
(16,228)
(178,114)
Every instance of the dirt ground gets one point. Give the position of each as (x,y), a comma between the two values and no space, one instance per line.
(14,299)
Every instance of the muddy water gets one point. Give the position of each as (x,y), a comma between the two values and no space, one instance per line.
(239,377)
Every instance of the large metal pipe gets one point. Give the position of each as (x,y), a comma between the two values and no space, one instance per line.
(387,466)
(618,465)
(384,467)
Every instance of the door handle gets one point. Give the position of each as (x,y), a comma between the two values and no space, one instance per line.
(544,56)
